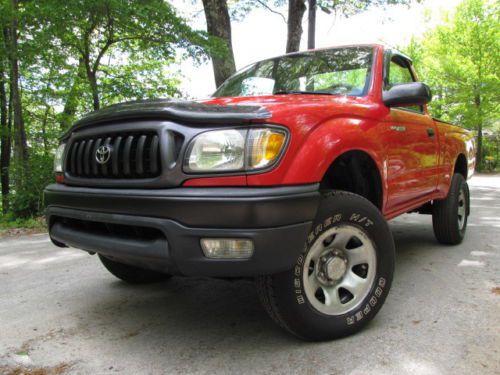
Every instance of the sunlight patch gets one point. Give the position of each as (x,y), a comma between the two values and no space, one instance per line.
(471,263)
(480,253)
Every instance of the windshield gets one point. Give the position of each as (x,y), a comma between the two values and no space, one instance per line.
(339,71)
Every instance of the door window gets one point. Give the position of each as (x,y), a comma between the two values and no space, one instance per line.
(400,73)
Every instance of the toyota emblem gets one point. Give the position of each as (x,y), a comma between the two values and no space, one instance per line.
(103,154)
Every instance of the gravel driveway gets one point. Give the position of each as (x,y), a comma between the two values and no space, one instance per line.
(61,312)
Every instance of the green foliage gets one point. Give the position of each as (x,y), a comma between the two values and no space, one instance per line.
(27,200)
(460,61)
(10,221)
(111,39)
(119,82)
(91,25)
(73,53)
(491,151)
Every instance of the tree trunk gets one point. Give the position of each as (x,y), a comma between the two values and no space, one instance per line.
(4,143)
(20,141)
(296,9)
(44,129)
(311,25)
(479,150)
(91,79)
(93,87)
(219,25)
(67,116)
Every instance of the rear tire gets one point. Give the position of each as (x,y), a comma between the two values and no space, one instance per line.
(131,274)
(343,276)
(449,215)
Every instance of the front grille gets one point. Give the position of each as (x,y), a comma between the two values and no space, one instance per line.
(133,155)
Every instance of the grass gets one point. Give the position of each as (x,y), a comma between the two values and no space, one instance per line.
(22,223)
(10,226)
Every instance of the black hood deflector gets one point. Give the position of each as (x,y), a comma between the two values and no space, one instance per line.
(173,109)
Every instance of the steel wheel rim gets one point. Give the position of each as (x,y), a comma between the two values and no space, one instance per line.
(461,212)
(358,253)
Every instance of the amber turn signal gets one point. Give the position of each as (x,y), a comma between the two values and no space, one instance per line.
(264,147)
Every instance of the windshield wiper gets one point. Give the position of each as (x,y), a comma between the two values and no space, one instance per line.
(297,92)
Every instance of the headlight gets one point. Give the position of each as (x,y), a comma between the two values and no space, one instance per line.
(234,150)
(220,150)
(58,158)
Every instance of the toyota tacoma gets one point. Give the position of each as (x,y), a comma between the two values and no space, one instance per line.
(287,174)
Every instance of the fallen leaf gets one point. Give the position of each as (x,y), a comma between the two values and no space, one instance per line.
(132,334)
(56,370)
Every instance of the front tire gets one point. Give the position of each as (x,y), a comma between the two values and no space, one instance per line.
(449,215)
(131,274)
(343,276)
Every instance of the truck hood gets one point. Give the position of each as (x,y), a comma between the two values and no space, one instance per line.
(305,109)
(290,110)
(173,109)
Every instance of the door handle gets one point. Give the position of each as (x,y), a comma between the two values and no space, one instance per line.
(431,132)
(398,128)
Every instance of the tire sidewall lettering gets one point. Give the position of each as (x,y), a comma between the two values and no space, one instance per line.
(378,288)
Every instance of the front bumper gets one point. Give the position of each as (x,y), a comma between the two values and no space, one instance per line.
(161,229)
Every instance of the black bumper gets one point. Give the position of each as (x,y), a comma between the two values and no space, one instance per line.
(161,229)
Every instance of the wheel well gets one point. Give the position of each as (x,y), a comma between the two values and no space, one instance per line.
(461,166)
(355,171)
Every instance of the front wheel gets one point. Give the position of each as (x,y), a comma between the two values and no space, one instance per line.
(343,276)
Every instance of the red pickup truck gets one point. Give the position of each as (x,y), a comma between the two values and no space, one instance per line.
(287,174)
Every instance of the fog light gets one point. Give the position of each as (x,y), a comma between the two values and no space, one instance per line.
(227,248)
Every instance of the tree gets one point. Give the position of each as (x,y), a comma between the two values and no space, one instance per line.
(93,29)
(344,8)
(296,10)
(311,24)
(11,35)
(59,59)
(460,61)
(219,26)
(5,143)
(73,96)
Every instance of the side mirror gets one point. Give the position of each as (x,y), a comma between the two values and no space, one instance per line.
(407,94)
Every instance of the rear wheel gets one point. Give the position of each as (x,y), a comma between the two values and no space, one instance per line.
(131,274)
(449,215)
(342,278)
